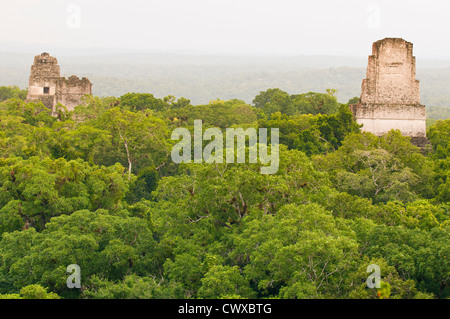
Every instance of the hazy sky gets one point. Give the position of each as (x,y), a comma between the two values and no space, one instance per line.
(287,27)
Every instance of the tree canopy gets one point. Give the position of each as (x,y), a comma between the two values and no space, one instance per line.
(97,187)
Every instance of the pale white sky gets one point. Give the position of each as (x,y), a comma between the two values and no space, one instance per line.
(285,27)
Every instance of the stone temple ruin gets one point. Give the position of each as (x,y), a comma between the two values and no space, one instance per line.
(47,85)
(390,96)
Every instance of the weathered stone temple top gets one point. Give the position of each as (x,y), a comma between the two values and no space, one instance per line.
(47,85)
(390,95)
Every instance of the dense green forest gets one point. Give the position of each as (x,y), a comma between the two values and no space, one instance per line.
(96,187)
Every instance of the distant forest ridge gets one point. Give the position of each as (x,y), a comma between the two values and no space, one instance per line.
(202,78)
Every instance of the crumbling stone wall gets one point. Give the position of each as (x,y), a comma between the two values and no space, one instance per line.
(390,95)
(69,92)
(47,85)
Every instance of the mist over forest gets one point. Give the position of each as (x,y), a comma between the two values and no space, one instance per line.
(202,78)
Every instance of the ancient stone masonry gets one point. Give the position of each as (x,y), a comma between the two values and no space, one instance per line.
(47,85)
(390,96)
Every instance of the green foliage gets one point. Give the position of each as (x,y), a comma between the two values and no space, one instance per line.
(141,102)
(318,134)
(12,92)
(383,169)
(316,103)
(137,140)
(32,113)
(439,136)
(132,287)
(96,187)
(31,292)
(417,254)
(222,114)
(177,103)
(35,190)
(102,244)
(392,285)
(223,282)
(143,186)
(275,100)
(300,244)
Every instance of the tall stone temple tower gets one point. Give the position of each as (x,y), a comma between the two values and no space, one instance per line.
(47,85)
(390,96)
